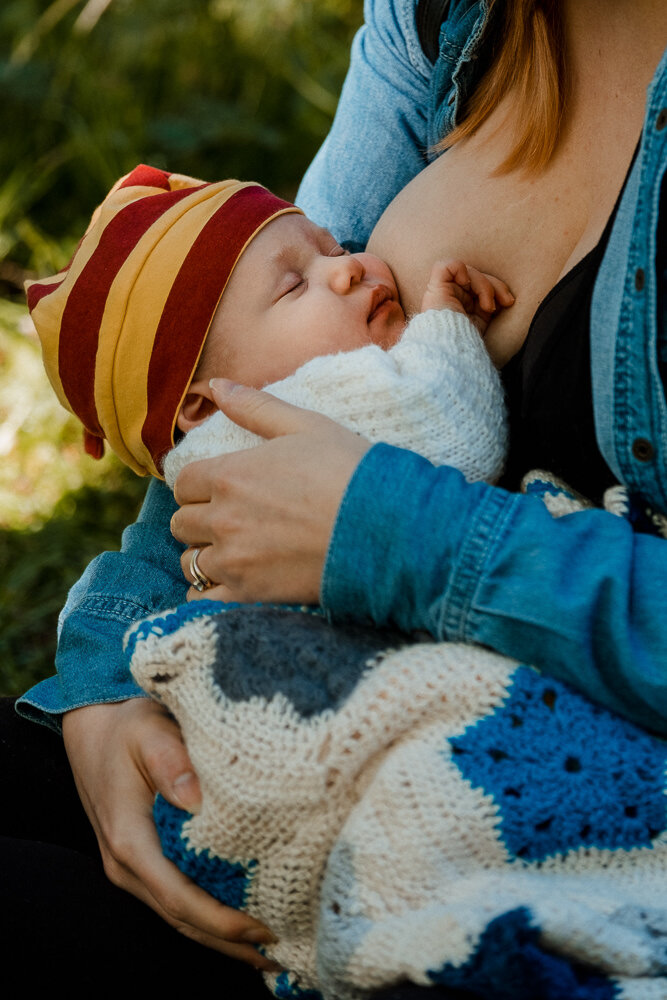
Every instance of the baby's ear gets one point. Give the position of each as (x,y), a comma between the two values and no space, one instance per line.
(197,406)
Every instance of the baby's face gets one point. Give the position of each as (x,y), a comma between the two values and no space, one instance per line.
(295,294)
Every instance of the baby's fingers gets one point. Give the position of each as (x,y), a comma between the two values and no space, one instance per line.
(443,272)
(483,288)
(501,290)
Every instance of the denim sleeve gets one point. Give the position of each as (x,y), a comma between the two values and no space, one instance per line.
(117,589)
(582,597)
(377,142)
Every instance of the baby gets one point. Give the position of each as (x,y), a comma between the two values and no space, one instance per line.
(392,809)
(177,281)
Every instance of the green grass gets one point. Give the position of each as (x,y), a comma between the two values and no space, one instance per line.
(210,88)
(41,453)
(58,507)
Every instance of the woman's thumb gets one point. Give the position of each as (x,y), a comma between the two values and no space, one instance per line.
(173,776)
(259,411)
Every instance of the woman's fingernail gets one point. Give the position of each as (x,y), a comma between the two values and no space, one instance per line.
(258,935)
(222,385)
(185,790)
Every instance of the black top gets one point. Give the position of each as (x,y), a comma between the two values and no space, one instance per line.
(549,388)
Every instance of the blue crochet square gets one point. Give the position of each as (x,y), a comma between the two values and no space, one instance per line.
(227,881)
(510,964)
(564,772)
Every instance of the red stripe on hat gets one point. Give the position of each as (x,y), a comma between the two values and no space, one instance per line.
(145,176)
(191,305)
(38,291)
(83,313)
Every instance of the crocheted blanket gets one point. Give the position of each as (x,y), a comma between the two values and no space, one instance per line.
(411,811)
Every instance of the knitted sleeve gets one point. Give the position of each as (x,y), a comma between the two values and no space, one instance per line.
(435,393)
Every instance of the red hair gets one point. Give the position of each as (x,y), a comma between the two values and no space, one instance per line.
(528,58)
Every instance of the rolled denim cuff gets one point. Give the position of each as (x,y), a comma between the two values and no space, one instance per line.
(116,590)
(90,662)
(46,703)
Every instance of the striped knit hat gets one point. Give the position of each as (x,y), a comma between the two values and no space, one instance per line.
(123,325)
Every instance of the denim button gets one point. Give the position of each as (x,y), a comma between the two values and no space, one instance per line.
(661,120)
(642,449)
(639,278)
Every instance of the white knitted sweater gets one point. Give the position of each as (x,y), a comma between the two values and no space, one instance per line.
(436,392)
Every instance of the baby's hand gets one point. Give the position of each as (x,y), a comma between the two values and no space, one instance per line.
(457,286)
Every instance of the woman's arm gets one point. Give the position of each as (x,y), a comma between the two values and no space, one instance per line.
(583,597)
(378,140)
(117,589)
(121,756)
(123,753)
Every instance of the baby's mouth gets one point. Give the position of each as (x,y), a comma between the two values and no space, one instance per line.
(379,296)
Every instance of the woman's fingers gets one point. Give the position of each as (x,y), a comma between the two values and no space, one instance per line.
(262,518)
(257,411)
(260,412)
(216,592)
(121,755)
(265,531)
(162,758)
(147,874)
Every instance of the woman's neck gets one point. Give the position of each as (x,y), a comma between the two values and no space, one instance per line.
(615,44)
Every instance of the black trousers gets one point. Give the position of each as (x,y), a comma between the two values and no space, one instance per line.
(61,918)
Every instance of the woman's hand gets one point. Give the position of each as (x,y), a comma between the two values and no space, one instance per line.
(121,755)
(263,517)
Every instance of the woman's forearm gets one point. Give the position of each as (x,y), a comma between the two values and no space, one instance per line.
(582,597)
(117,589)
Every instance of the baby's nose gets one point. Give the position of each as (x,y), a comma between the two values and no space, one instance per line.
(345,272)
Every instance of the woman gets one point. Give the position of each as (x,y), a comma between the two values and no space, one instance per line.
(583,599)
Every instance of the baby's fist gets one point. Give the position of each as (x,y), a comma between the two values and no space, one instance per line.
(457,286)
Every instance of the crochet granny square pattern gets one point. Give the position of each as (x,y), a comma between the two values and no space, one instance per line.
(411,811)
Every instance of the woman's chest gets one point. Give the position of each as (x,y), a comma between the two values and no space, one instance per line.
(528,229)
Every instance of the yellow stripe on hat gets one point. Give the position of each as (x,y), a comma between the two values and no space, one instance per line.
(135,304)
(122,329)
(48,312)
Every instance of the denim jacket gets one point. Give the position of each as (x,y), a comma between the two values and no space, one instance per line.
(583,597)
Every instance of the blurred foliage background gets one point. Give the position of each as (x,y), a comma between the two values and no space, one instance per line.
(211,88)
